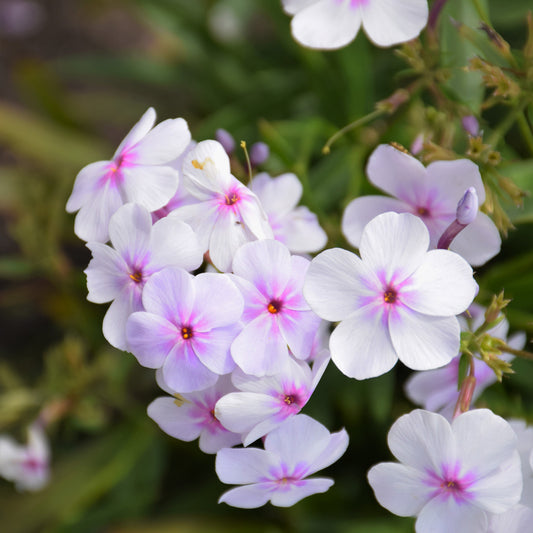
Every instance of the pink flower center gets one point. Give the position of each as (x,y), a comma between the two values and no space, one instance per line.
(136,276)
(390,295)
(274,307)
(423,211)
(186,333)
(451,483)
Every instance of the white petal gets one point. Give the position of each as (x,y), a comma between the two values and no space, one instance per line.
(424,342)
(278,195)
(138,131)
(86,184)
(130,229)
(337,445)
(212,442)
(178,422)
(478,242)
(361,211)
(227,237)
(390,22)
(326,25)
(239,465)
(114,325)
(399,174)
(296,492)
(293,6)
(247,497)
(301,232)
(443,285)
(394,245)
(361,346)
(335,282)
(399,488)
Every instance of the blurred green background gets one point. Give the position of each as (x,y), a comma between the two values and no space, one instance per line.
(74,77)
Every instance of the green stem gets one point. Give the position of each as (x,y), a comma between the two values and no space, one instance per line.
(519,353)
(359,122)
(506,124)
(483,15)
(525,130)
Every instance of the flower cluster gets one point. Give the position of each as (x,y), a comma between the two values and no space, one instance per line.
(206,287)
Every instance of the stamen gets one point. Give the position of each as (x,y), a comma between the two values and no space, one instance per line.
(137,276)
(196,164)
(274,307)
(231,199)
(289,399)
(422,211)
(390,296)
(186,332)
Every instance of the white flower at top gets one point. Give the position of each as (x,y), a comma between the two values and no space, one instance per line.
(227,214)
(298,448)
(450,476)
(430,193)
(139,172)
(398,301)
(293,225)
(27,466)
(331,24)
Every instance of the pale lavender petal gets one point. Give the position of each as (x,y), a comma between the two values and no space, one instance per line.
(253,216)
(423,441)
(399,488)
(218,302)
(212,442)
(86,184)
(260,349)
(170,293)
(298,329)
(517,520)
(150,186)
(175,243)
(442,285)
(433,389)
(130,229)
(106,274)
(92,220)
(478,242)
(239,466)
(392,22)
(293,6)
(296,491)
(337,445)
(213,348)
(320,364)
(150,338)
(138,131)
(362,210)
(447,515)
(399,174)
(266,264)
(301,232)
(335,283)
(326,25)
(227,237)
(394,245)
(183,372)
(423,342)
(278,195)
(247,497)
(114,326)
(201,217)
(263,384)
(176,421)
(164,143)
(207,168)
(361,346)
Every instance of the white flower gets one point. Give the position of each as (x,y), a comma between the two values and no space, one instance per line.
(330,24)
(451,476)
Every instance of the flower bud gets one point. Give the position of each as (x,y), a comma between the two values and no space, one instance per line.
(225,138)
(467,207)
(259,153)
(470,125)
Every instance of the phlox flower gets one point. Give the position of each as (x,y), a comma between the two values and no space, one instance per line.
(139,173)
(436,390)
(430,193)
(298,448)
(261,404)
(119,274)
(276,317)
(330,24)
(293,225)
(451,476)
(191,415)
(227,214)
(398,301)
(187,327)
(27,466)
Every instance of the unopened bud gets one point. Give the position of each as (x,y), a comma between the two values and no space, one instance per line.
(259,153)
(470,125)
(467,207)
(417,145)
(225,138)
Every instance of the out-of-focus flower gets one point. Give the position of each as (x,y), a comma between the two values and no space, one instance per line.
(225,138)
(298,448)
(21,18)
(430,193)
(330,24)
(450,476)
(139,250)
(398,301)
(27,466)
(139,172)
(470,125)
(259,153)
(295,226)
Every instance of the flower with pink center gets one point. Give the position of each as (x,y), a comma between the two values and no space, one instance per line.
(188,416)
(293,225)
(119,274)
(276,317)
(430,193)
(187,327)
(451,476)
(226,214)
(331,24)
(139,172)
(293,451)
(436,390)
(261,404)
(398,301)
(27,466)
